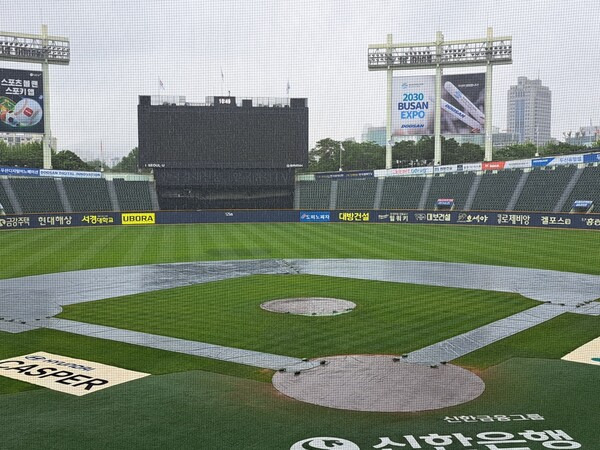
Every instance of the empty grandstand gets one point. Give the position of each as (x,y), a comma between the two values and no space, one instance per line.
(133,195)
(547,189)
(37,194)
(543,189)
(313,194)
(356,193)
(402,192)
(21,195)
(78,191)
(495,190)
(586,188)
(454,186)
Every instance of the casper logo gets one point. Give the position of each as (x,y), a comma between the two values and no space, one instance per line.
(138,218)
(64,374)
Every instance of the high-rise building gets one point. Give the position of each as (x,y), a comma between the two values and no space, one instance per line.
(529,111)
(24,138)
(374,134)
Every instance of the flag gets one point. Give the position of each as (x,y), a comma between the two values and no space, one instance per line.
(287,89)
(161,85)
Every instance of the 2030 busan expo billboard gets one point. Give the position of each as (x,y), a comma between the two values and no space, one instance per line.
(462,104)
(21,101)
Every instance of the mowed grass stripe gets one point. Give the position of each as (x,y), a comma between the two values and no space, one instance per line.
(61,250)
(389,318)
(52,254)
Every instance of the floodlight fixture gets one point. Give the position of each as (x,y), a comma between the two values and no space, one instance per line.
(41,49)
(31,48)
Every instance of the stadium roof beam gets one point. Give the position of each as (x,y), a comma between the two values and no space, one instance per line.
(41,49)
(488,52)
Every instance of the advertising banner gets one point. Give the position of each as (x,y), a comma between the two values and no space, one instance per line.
(541,162)
(19,172)
(587,354)
(462,104)
(69,173)
(493,165)
(518,164)
(471,166)
(589,221)
(349,174)
(566,159)
(148,218)
(61,373)
(446,169)
(315,216)
(21,101)
(591,158)
(413,105)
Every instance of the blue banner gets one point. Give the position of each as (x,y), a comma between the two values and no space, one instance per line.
(541,162)
(19,171)
(26,172)
(315,216)
(591,158)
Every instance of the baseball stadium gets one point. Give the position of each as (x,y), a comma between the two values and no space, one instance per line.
(219,299)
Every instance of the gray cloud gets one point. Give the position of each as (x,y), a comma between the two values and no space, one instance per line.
(120,49)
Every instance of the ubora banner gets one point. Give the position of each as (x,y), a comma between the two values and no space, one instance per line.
(146,218)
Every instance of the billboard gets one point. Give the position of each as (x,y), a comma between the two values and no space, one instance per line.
(21,101)
(462,104)
(413,105)
(223,136)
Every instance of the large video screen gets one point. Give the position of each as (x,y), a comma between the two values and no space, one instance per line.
(462,104)
(21,101)
(222,137)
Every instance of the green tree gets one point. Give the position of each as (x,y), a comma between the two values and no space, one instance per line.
(406,154)
(516,151)
(561,148)
(128,163)
(98,166)
(362,156)
(23,155)
(325,156)
(471,152)
(67,160)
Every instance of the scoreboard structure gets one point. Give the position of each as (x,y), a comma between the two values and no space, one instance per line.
(223,153)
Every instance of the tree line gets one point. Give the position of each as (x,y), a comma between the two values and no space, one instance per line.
(31,155)
(329,155)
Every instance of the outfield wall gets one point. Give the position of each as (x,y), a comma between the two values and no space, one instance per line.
(520,219)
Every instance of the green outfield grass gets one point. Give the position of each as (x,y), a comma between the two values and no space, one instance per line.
(195,402)
(30,252)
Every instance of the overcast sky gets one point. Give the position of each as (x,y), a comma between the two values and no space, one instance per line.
(120,49)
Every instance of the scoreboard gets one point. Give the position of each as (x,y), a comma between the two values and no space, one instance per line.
(223,135)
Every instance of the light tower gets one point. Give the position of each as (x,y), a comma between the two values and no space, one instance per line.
(41,49)
(438,55)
